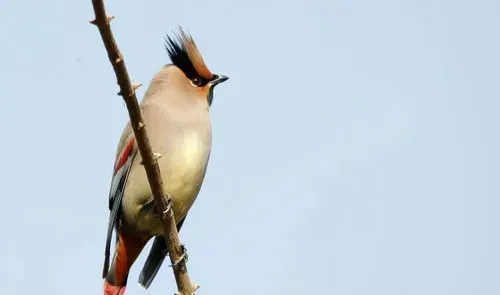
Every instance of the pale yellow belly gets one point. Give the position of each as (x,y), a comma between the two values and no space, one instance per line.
(183,172)
(187,174)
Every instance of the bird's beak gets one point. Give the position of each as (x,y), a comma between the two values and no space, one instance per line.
(218,79)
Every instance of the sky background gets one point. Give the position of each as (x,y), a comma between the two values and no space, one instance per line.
(355,147)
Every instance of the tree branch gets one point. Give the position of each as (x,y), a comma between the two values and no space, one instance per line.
(163,201)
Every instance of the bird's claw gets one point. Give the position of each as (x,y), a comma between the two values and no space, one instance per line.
(183,258)
(163,214)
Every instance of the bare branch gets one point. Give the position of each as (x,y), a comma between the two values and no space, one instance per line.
(163,201)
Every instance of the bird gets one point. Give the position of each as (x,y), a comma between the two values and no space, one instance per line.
(176,112)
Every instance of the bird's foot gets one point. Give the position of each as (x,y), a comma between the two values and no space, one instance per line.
(183,258)
(161,214)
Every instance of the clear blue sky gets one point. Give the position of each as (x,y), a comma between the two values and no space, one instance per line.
(356,146)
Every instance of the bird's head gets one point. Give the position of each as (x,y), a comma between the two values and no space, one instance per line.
(186,57)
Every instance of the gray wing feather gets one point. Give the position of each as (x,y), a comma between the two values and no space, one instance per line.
(115,200)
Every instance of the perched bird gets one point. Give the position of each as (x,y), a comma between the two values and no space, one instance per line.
(176,113)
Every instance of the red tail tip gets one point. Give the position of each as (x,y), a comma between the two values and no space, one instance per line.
(113,290)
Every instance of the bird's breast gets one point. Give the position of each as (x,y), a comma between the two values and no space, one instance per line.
(189,160)
(185,170)
(183,163)
(193,154)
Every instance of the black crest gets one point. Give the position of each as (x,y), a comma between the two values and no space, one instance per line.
(185,55)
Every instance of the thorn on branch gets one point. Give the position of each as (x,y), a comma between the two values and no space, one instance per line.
(156,156)
(133,87)
(108,20)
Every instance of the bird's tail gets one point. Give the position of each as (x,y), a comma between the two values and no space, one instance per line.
(127,250)
(155,259)
(153,262)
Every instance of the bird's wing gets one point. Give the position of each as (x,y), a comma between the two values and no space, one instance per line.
(127,149)
(155,259)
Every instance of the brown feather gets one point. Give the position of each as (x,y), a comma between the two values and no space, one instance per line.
(195,55)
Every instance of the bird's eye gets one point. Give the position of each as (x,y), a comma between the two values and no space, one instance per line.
(196,81)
